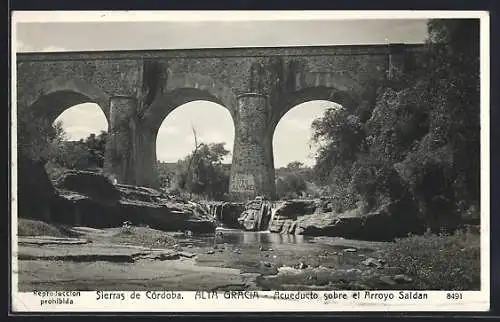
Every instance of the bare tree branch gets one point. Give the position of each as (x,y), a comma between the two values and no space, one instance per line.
(196,147)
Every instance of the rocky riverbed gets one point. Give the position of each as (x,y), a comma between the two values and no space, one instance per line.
(99,235)
(140,258)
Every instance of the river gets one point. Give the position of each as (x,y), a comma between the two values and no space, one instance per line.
(276,256)
(230,260)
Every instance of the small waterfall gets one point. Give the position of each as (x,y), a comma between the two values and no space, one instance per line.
(226,214)
(264,216)
(273,213)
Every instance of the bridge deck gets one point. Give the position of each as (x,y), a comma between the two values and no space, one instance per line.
(377,49)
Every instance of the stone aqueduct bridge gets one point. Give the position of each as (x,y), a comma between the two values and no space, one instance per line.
(138,89)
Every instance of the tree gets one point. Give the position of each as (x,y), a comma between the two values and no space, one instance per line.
(82,154)
(96,146)
(292,180)
(295,165)
(73,155)
(202,172)
(290,186)
(37,139)
(443,169)
(166,173)
(340,136)
(420,140)
(456,65)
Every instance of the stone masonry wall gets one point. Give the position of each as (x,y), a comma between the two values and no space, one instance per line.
(257,85)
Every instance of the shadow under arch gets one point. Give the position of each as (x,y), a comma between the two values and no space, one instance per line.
(59,94)
(167,103)
(344,98)
(87,118)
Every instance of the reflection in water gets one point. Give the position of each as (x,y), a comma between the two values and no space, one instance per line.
(250,250)
(236,237)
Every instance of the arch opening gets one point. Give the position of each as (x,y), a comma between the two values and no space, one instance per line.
(49,127)
(79,142)
(201,128)
(294,150)
(172,100)
(82,120)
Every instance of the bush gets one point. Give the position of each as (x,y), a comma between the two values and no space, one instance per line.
(439,261)
(54,171)
(143,236)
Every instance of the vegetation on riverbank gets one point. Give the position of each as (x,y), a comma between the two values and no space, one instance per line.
(144,236)
(433,261)
(416,141)
(29,227)
(439,261)
(137,236)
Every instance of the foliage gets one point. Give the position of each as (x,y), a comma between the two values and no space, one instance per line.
(83,154)
(294,165)
(39,140)
(420,142)
(203,173)
(290,186)
(340,137)
(439,261)
(36,138)
(54,171)
(294,180)
(166,173)
(142,236)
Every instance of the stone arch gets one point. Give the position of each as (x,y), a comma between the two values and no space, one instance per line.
(58,94)
(182,89)
(217,89)
(162,106)
(343,97)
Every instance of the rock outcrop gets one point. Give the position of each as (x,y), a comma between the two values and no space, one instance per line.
(35,193)
(108,205)
(287,212)
(227,213)
(88,183)
(306,217)
(383,224)
(256,216)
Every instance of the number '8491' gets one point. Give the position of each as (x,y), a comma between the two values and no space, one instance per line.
(453,296)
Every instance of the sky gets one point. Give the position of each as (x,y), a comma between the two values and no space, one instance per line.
(213,122)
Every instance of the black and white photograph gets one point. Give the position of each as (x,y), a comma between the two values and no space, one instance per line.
(231,155)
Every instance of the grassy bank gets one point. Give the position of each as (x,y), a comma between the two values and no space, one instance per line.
(30,227)
(439,261)
(140,236)
(144,236)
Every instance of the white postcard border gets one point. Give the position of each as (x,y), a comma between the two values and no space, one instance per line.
(471,300)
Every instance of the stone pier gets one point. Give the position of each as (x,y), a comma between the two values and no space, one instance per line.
(120,148)
(252,170)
